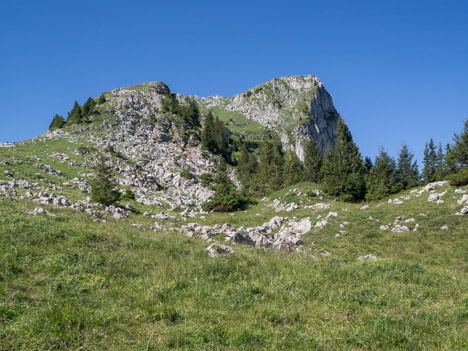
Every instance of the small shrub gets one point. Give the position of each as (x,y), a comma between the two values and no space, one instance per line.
(128,194)
(187,174)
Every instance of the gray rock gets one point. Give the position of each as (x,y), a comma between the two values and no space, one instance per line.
(215,250)
(367,257)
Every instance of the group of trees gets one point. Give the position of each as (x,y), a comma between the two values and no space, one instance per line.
(78,114)
(188,114)
(344,174)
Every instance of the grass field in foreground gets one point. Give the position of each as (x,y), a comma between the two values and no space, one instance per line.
(67,283)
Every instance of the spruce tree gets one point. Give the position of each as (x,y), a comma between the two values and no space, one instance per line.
(74,116)
(103,186)
(457,158)
(382,178)
(57,122)
(293,172)
(430,162)
(208,132)
(246,167)
(408,173)
(88,108)
(440,166)
(312,161)
(269,173)
(101,99)
(343,168)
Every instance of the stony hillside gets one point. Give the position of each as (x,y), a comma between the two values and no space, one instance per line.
(156,149)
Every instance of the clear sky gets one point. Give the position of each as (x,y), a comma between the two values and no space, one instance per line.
(397,70)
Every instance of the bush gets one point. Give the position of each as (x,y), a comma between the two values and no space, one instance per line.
(227,203)
(187,174)
(460,178)
(128,194)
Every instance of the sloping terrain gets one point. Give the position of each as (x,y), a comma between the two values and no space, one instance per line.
(74,277)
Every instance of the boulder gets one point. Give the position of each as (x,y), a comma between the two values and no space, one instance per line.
(215,250)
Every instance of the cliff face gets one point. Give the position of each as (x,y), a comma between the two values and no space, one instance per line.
(297,108)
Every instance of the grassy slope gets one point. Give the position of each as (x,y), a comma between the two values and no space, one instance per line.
(66,282)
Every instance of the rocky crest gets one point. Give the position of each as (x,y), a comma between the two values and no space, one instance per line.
(297,108)
(156,149)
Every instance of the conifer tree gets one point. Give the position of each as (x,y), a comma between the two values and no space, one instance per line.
(208,132)
(88,107)
(430,162)
(269,173)
(103,186)
(74,116)
(293,170)
(57,122)
(440,166)
(456,158)
(246,166)
(343,168)
(408,173)
(101,99)
(312,161)
(382,178)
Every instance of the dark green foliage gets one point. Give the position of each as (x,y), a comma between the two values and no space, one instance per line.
(103,186)
(293,171)
(368,163)
(343,168)
(128,194)
(269,173)
(434,163)
(457,154)
(246,166)
(408,173)
(87,109)
(207,179)
(84,150)
(226,198)
(382,178)
(187,174)
(313,160)
(459,178)
(101,99)
(189,114)
(74,116)
(215,137)
(57,122)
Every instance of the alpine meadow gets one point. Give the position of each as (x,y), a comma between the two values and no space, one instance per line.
(150,220)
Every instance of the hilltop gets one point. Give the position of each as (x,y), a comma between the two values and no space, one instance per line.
(298,269)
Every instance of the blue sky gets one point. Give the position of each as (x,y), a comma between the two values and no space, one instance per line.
(397,70)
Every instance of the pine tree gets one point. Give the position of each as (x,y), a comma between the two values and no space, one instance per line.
(382,178)
(457,158)
(368,163)
(269,173)
(191,113)
(57,122)
(430,162)
(88,108)
(440,166)
(101,99)
(208,132)
(457,154)
(312,161)
(343,168)
(293,172)
(246,167)
(408,173)
(74,116)
(103,186)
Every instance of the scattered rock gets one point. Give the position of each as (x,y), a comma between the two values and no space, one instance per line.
(216,250)
(367,257)
(115,212)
